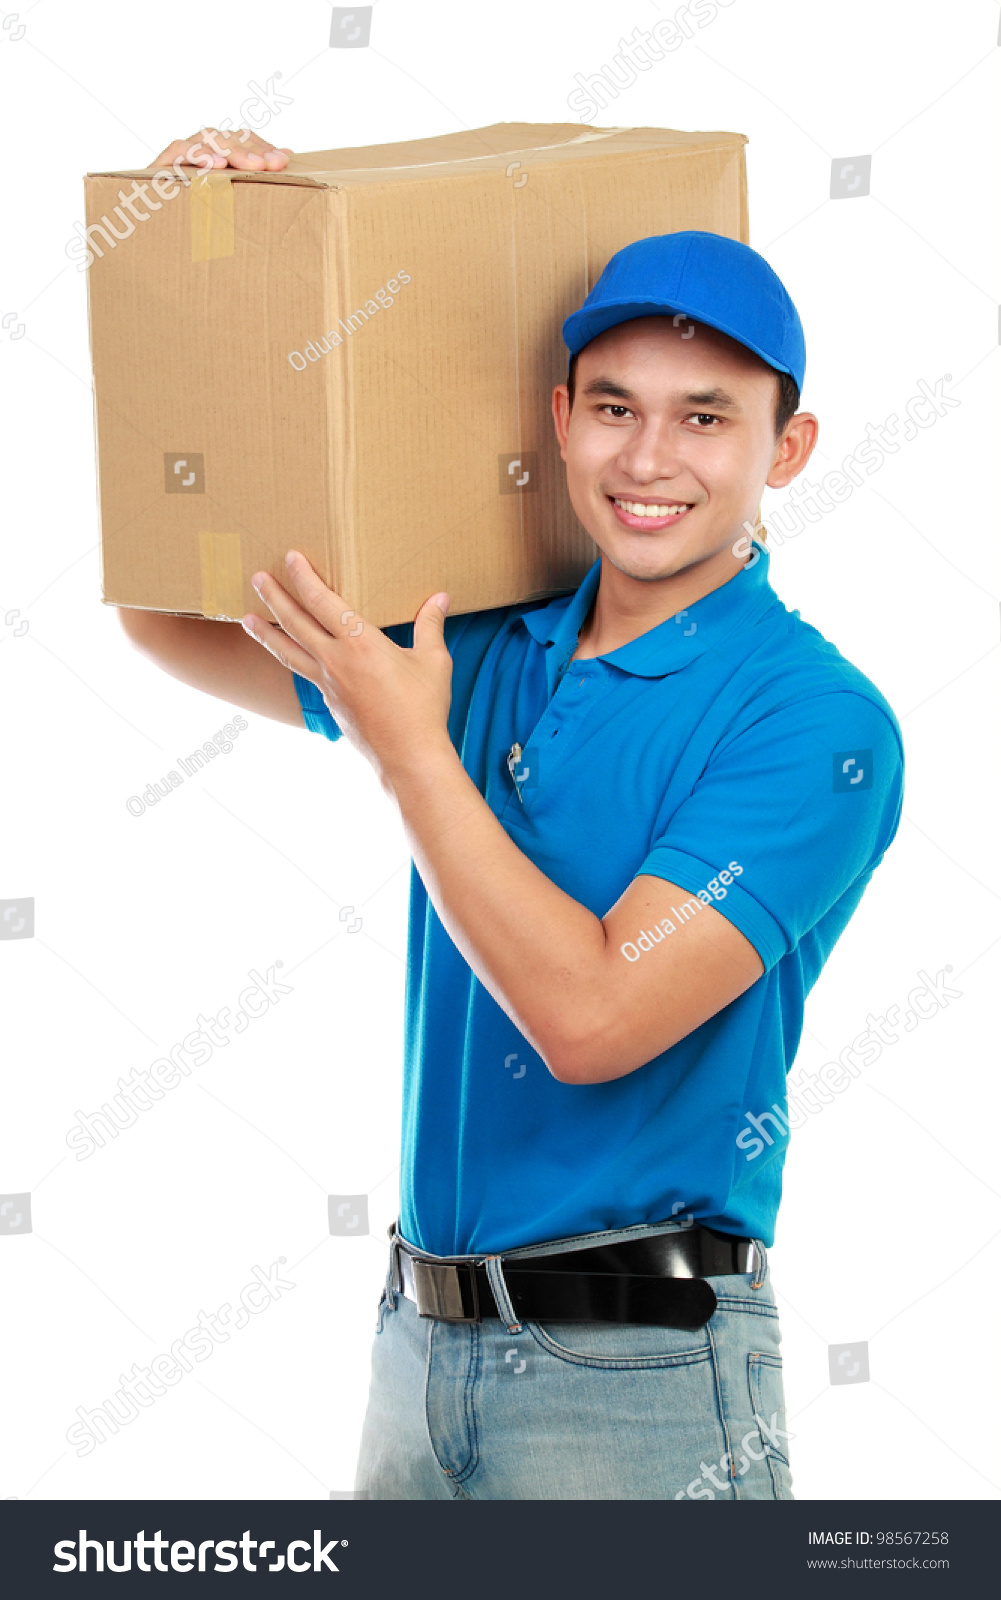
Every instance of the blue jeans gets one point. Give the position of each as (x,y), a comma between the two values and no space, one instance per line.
(502,1410)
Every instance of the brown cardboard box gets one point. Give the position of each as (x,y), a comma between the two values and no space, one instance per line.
(355,358)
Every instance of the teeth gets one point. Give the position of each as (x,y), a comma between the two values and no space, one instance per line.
(637,509)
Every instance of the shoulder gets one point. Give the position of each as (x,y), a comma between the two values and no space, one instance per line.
(795,674)
(472,632)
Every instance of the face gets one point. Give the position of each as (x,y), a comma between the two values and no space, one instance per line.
(670,441)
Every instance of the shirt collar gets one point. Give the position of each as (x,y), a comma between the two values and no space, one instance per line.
(672,644)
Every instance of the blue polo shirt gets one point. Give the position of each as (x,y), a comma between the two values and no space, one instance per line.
(730,750)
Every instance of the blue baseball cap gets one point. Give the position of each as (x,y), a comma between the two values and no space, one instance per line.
(703,276)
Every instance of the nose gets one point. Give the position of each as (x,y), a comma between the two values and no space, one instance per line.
(651,454)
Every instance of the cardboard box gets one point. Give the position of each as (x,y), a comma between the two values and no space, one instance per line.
(355,358)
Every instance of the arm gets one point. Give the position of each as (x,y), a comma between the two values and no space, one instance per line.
(555,969)
(561,974)
(217,657)
(800,844)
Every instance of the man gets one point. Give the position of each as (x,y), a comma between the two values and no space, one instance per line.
(640,815)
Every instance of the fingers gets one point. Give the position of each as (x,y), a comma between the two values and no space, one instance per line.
(244,151)
(279,645)
(331,611)
(322,617)
(175,152)
(196,150)
(237,148)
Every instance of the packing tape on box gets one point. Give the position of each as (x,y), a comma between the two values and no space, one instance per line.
(222,574)
(211,209)
(493,155)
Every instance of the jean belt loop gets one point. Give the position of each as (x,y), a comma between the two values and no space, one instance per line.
(757,1282)
(495,1274)
(394,1280)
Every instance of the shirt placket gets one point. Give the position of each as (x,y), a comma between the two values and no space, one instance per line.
(580,686)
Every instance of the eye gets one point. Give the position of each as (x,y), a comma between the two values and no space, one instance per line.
(705,416)
(622,410)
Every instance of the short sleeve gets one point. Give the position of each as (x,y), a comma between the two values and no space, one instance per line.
(790,813)
(314,709)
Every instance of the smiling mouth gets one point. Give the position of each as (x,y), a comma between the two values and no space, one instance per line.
(647,513)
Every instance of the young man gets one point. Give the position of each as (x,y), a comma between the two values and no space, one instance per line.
(641,815)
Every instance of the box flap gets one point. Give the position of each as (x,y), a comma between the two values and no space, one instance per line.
(472,150)
(493,148)
(303,179)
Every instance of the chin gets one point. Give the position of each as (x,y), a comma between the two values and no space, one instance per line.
(649,571)
(649,562)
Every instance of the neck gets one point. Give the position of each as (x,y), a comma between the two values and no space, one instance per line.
(625,607)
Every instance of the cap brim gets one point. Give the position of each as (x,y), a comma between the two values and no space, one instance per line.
(583,326)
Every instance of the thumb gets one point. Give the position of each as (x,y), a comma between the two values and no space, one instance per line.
(429,623)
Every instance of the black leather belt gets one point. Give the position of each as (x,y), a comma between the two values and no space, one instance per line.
(659,1278)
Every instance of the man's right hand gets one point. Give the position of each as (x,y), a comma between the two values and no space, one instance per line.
(239,148)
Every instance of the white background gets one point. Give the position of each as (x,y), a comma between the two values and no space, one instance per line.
(890,1222)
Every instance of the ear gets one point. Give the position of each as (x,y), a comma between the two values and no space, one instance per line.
(561,416)
(795,449)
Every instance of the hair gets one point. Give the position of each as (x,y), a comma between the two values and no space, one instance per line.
(786,404)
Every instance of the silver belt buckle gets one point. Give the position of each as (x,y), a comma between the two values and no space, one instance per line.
(446,1290)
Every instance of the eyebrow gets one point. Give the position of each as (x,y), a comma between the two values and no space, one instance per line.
(697,397)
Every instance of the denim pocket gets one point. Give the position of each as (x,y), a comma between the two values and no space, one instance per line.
(617,1345)
(764,1379)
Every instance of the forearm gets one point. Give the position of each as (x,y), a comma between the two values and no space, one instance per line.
(538,952)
